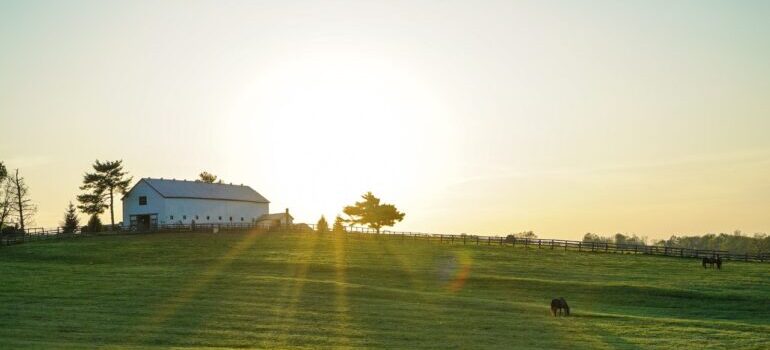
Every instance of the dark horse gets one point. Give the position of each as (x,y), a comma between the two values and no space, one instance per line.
(559,306)
(711,261)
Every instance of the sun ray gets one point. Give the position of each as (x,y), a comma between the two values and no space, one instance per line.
(341,295)
(288,311)
(170,306)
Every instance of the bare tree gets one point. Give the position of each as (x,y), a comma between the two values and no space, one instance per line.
(22,207)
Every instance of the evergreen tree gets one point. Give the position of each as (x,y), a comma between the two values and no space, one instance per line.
(370,212)
(71,221)
(322,226)
(94,224)
(339,225)
(102,184)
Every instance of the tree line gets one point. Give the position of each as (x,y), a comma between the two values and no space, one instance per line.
(101,187)
(109,179)
(737,242)
(17,209)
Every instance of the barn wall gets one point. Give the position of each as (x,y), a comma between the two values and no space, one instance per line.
(184,211)
(155,203)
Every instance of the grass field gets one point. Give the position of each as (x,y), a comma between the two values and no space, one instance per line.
(322,291)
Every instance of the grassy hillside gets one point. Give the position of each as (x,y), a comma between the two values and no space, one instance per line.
(313,291)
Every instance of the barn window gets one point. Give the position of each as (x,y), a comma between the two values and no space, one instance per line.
(142,200)
(241,218)
(196,217)
(207,217)
(231,218)
(172,217)
(220,218)
(184,217)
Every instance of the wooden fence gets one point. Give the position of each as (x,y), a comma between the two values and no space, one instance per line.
(539,243)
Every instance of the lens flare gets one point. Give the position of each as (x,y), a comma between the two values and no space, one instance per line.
(454,270)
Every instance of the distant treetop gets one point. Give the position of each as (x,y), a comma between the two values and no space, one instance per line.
(208,178)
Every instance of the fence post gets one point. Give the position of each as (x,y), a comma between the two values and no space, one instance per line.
(464,238)
(580,246)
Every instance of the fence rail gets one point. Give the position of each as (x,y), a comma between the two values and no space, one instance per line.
(37,234)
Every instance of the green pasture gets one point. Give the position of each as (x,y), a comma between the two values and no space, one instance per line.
(292,290)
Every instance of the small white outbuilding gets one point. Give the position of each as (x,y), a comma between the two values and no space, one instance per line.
(153,202)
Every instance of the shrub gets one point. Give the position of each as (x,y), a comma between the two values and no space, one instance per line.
(94,224)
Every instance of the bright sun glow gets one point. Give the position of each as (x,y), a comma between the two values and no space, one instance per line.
(335,126)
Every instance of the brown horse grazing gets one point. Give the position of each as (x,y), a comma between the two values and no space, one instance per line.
(713,261)
(559,306)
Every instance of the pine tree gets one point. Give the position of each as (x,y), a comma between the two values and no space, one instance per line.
(108,178)
(322,226)
(370,212)
(339,225)
(71,221)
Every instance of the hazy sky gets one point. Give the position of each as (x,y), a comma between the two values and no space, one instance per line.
(562,117)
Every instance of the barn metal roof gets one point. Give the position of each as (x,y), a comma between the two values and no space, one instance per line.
(202,190)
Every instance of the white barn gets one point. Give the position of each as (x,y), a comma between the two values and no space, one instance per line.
(154,202)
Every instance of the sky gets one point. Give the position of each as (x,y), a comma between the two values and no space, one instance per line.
(486,117)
